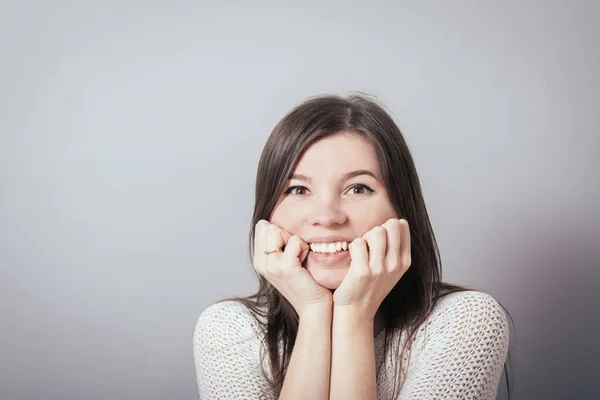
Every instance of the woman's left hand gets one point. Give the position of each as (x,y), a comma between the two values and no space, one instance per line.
(374,270)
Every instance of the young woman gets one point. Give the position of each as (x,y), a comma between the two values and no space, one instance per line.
(350,303)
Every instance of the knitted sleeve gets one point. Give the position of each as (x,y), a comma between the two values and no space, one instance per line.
(226,345)
(463,351)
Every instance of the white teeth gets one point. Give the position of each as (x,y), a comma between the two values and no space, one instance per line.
(328,247)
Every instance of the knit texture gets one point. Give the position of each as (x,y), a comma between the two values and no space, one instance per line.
(458,353)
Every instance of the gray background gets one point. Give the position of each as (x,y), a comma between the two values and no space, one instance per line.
(130,134)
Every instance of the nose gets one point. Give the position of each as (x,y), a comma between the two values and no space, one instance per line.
(326,212)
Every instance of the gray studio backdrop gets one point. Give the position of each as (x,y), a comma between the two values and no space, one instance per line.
(130,134)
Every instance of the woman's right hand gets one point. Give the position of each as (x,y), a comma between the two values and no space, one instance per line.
(283,269)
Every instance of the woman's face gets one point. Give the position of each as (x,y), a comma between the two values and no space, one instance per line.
(319,201)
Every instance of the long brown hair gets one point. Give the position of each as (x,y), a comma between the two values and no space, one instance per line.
(413,298)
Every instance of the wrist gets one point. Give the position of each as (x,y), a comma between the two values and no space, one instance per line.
(353,310)
(316,311)
(350,315)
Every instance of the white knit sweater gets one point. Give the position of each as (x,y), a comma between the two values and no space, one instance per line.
(459,353)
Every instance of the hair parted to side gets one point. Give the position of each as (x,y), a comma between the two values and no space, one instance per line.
(413,298)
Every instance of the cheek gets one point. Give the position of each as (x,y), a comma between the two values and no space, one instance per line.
(364,222)
(286,217)
(378,215)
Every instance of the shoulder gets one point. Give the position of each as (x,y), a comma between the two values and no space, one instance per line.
(470,305)
(461,349)
(223,324)
(469,315)
(227,353)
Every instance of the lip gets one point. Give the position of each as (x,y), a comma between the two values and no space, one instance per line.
(328,239)
(330,259)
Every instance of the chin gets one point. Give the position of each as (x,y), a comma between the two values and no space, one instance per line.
(328,278)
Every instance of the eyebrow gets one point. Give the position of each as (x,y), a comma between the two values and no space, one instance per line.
(347,176)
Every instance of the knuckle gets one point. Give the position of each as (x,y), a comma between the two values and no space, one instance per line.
(258,231)
(394,223)
(379,232)
(261,224)
(387,224)
(364,274)
(358,241)
(272,229)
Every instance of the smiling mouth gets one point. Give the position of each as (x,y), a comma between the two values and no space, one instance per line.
(322,252)
(331,260)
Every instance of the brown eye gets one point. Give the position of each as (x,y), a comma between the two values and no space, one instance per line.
(289,191)
(363,187)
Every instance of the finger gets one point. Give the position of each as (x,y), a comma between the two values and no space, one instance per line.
(272,244)
(405,247)
(376,239)
(393,229)
(274,238)
(359,256)
(295,252)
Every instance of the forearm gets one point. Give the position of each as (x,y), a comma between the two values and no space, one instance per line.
(308,372)
(352,359)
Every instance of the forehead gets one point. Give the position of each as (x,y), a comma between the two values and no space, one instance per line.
(337,154)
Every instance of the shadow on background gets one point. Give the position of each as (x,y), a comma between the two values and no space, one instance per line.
(553,298)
